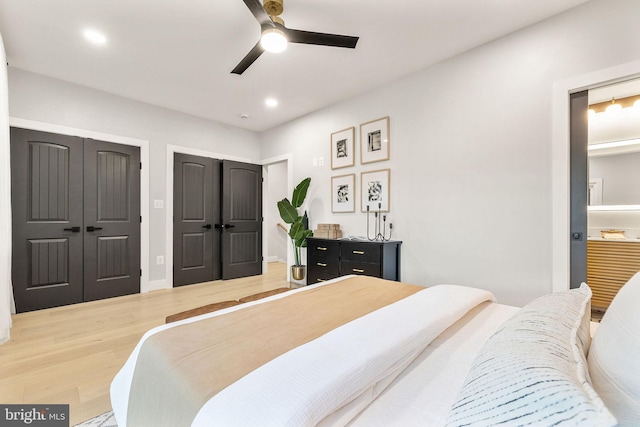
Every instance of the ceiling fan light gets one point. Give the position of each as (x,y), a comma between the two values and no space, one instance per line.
(273,40)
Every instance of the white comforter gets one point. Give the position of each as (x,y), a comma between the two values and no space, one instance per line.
(331,379)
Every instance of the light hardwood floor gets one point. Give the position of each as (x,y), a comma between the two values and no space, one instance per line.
(70,354)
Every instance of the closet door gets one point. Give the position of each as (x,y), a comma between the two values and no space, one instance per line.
(111,219)
(76,219)
(196,201)
(47,216)
(241,219)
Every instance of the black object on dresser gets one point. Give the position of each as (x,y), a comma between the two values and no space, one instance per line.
(330,258)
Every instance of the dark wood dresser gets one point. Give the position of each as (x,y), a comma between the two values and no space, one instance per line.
(330,258)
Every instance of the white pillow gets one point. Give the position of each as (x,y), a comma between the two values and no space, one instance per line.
(614,357)
(533,370)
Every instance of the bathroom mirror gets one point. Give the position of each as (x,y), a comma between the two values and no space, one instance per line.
(614,175)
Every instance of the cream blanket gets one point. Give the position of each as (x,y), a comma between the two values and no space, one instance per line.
(331,377)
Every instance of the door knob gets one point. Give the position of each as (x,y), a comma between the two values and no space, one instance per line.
(208,226)
(92,228)
(74,229)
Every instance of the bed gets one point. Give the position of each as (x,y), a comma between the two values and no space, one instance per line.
(362,351)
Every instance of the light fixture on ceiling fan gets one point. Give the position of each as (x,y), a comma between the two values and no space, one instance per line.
(273,39)
(275,36)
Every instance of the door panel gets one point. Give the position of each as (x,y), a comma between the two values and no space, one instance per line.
(579,187)
(194,216)
(46,199)
(112,220)
(242,219)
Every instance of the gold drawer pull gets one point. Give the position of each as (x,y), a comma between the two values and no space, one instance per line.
(358,252)
(321,264)
(320,248)
(357,270)
(320,280)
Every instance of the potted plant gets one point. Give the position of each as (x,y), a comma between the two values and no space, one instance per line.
(299,225)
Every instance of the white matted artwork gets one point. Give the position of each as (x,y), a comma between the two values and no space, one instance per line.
(374,141)
(342,148)
(343,193)
(375,190)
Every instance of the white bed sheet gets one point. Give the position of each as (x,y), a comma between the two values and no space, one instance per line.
(424,393)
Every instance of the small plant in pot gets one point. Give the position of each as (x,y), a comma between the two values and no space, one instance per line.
(299,229)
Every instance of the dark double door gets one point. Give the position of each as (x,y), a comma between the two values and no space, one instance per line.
(76,219)
(217,226)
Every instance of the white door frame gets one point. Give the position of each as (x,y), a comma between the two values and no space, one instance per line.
(265,242)
(560,160)
(144,177)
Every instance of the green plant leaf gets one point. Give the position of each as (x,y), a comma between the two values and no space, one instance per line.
(302,242)
(300,193)
(288,213)
(296,231)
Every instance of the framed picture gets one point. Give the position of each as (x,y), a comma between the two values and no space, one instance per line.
(342,154)
(374,141)
(375,190)
(343,193)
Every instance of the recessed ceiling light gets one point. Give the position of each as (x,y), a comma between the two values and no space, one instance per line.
(271,102)
(95,37)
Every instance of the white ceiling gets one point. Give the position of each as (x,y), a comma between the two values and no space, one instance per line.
(179,53)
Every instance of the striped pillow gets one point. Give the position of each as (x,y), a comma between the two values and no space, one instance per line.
(533,370)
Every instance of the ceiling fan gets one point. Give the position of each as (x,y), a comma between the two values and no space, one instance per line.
(275,35)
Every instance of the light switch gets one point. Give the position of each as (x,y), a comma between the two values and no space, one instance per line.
(158,204)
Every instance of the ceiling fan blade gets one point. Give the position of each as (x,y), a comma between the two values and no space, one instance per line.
(310,37)
(249,59)
(256,8)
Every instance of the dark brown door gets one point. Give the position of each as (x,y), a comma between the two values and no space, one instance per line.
(111,220)
(196,211)
(46,201)
(241,219)
(76,219)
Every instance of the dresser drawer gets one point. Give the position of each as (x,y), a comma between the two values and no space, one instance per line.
(360,252)
(323,250)
(325,270)
(363,268)
(318,274)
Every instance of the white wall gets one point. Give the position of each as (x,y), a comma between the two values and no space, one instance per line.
(38,98)
(471,151)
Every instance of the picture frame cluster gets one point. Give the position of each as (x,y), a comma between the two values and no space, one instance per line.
(375,187)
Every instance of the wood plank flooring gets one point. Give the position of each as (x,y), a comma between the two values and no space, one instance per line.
(70,354)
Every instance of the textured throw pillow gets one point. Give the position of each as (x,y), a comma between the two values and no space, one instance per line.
(614,357)
(533,371)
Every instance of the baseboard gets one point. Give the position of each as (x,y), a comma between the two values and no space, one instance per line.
(273,258)
(154,285)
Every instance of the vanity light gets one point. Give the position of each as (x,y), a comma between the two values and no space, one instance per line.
(613,108)
(616,104)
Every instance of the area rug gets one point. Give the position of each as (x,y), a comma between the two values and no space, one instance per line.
(104,420)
